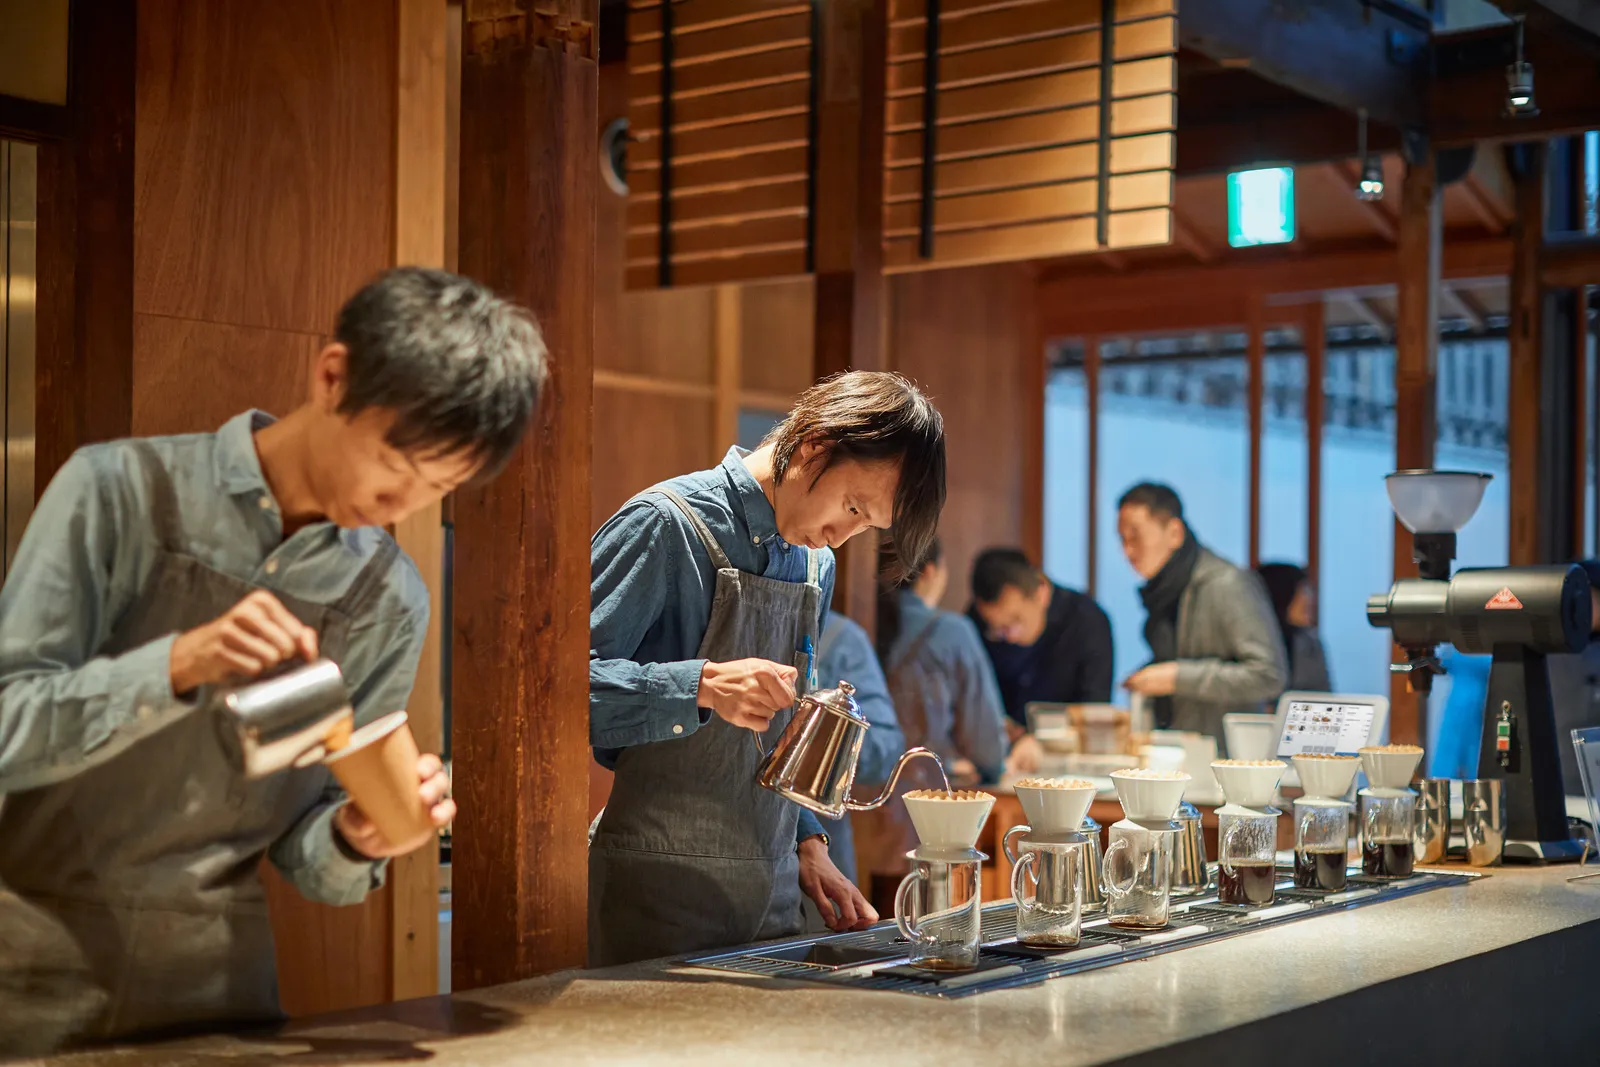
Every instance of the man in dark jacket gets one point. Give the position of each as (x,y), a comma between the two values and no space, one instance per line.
(1214,643)
(1047,643)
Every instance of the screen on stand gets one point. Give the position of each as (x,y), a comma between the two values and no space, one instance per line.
(1316,728)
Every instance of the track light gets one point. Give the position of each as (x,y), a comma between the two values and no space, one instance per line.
(1370,185)
(1519,82)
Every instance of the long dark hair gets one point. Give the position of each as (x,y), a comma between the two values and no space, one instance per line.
(889,601)
(1283,581)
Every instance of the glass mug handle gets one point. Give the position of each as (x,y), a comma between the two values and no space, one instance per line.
(1224,851)
(1112,885)
(1369,822)
(1024,865)
(1011,835)
(1300,831)
(908,929)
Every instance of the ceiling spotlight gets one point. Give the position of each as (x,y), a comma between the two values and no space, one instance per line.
(1519,82)
(1370,185)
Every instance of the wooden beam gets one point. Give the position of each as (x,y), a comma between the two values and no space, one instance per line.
(1329,50)
(1567,263)
(1577,19)
(1035,378)
(520,740)
(419,237)
(1584,413)
(1186,237)
(1416,390)
(1468,96)
(848,216)
(1314,339)
(1267,136)
(1255,361)
(84,353)
(1367,311)
(1525,344)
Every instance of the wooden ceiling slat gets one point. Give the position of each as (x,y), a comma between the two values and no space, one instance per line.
(718,240)
(690,16)
(718,142)
(1140,9)
(999,99)
(723,76)
(738,172)
(1001,63)
(993,246)
(1140,77)
(1001,135)
(1139,40)
(1133,229)
(998,172)
(761,201)
(1152,151)
(743,105)
(726,42)
(1132,191)
(906,12)
(1043,18)
(749,267)
(1144,114)
(987,210)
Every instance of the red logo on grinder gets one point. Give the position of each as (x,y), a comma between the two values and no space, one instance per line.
(1504,600)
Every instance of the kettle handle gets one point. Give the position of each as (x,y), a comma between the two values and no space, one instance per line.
(888,789)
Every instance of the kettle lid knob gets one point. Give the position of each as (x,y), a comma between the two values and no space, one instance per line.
(841,699)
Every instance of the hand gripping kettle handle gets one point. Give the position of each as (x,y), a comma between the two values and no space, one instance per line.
(888,789)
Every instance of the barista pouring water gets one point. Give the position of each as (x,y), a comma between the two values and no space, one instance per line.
(708,593)
(158,567)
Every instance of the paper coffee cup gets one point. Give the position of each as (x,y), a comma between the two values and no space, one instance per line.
(378,768)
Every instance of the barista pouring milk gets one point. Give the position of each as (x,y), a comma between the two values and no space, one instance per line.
(707,595)
(155,568)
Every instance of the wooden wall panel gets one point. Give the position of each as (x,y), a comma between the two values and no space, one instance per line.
(967,337)
(666,333)
(190,376)
(642,438)
(348,963)
(266,144)
(776,337)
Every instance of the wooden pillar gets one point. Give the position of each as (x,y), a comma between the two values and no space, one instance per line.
(1416,392)
(86,276)
(520,673)
(1525,346)
(1035,381)
(847,217)
(1314,340)
(1256,370)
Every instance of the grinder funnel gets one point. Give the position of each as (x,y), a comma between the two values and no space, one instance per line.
(1055,805)
(1149,795)
(1249,783)
(948,820)
(1391,766)
(1326,776)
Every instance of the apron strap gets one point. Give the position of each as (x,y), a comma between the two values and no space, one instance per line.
(814,567)
(164,514)
(369,582)
(914,647)
(719,558)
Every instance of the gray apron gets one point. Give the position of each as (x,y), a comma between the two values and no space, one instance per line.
(135,906)
(690,853)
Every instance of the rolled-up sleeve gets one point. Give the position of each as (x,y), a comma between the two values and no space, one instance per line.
(64,709)
(632,703)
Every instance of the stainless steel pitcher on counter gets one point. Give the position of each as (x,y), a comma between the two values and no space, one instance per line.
(814,762)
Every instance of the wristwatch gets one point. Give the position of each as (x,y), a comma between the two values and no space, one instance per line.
(820,833)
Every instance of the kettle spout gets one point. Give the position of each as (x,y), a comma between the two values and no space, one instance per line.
(888,789)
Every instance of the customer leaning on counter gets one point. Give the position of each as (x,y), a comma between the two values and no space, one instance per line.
(1214,642)
(155,568)
(708,595)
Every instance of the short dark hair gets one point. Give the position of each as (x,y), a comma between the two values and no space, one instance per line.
(461,368)
(1160,499)
(997,568)
(870,416)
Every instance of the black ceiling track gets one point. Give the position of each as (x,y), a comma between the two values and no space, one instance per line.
(664,268)
(930,117)
(1108,23)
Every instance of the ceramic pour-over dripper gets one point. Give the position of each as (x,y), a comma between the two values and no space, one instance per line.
(1391,766)
(948,820)
(1055,805)
(1326,776)
(1249,783)
(1149,796)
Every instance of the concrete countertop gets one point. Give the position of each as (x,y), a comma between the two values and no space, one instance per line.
(1271,984)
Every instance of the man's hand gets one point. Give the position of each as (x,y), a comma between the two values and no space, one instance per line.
(1026,755)
(254,635)
(963,773)
(747,692)
(1156,680)
(836,897)
(362,835)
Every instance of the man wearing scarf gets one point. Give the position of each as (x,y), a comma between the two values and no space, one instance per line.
(1214,643)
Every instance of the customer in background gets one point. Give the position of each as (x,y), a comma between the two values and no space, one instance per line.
(1214,645)
(1047,643)
(945,696)
(845,653)
(1294,603)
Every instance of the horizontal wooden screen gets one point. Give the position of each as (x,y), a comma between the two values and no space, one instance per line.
(1052,129)
(733,199)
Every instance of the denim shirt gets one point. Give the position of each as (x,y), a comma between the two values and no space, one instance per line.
(650,587)
(84,560)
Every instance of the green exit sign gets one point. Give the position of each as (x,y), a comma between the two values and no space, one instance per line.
(1261,207)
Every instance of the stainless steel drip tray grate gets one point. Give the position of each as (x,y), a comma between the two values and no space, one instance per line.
(876,958)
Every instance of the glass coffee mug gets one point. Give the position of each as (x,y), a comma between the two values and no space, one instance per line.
(1321,844)
(1247,848)
(1136,874)
(1051,866)
(939,908)
(1388,825)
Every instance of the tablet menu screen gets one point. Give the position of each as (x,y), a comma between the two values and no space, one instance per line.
(1314,728)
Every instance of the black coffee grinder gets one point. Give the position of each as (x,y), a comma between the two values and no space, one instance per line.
(1519,615)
